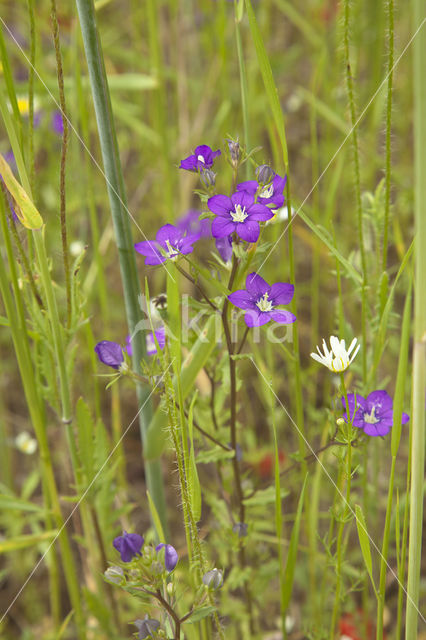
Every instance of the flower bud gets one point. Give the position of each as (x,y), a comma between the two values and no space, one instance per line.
(129,545)
(213,579)
(264,174)
(170,556)
(115,574)
(147,627)
(234,152)
(208,178)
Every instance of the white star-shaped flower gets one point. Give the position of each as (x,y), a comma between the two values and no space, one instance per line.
(338,358)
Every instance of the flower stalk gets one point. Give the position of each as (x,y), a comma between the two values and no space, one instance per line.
(117,198)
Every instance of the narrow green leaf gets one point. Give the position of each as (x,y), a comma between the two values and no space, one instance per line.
(268,79)
(25,209)
(22,542)
(11,503)
(402,374)
(287,584)
(85,433)
(201,613)
(155,518)
(364,542)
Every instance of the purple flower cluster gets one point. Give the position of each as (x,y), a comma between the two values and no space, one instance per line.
(129,546)
(373,414)
(169,243)
(202,158)
(238,213)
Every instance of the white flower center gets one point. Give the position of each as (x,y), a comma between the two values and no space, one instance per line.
(201,159)
(267,192)
(370,418)
(171,251)
(264,304)
(239,214)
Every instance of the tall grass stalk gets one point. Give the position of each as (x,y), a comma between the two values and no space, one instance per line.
(418,423)
(15,313)
(388,165)
(117,198)
(396,437)
(239,11)
(357,177)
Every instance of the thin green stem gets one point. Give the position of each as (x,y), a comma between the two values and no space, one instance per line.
(388,167)
(31,74)
(354,138)
(418,419)
(121,220)
(243,79)
(343,517)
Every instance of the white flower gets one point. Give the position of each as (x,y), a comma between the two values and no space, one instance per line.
(337,359)
(25,443)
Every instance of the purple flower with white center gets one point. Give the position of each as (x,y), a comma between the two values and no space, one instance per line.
(260,301)
(170,556)
(57,123)
(266,194)
(169,243)
(373,414)
(203,157)
(110,353)
(190,223)
(224,246)
(129,545)
(239,213)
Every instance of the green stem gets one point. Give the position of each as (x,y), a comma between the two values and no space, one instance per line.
(243,80)
(63,218)
(119,212)
(388,169)
(344,515)
(418,419)
(354,138)
(31,93)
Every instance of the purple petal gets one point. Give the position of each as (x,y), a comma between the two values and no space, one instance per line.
(260,212)
(110,353)
(283,317)
(242,299)
(242,198)
(281,293)
(222,227)
(381,401)
(355,411)
(147,248)
(129,545)
(168,232)
(220,205)
(250,186)
(378,429)
(405,418)
(190,163)
(256,318)
(256,285)
(248,231)
(224,246)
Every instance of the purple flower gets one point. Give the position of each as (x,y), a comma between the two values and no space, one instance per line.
(169,243)
(147,627)
(202,157)
(190,224)
(170,556)
(238,213)
(129,545)
(151,349)
(224,246)
(269,194)
(110,353)
(57,123)
(373,414)
(260,300)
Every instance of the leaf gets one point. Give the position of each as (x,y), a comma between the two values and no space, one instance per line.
(25,210)
(201,613)
(155,518)
(264,496)
(364,542)
(85,438)
(22,542)
(287,584)
(193,479)
(11,503)
(214,455)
